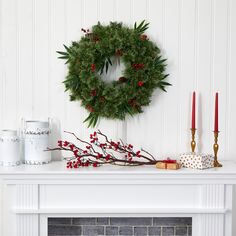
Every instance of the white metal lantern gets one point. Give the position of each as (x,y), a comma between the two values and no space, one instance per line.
(9,148)
(36,141)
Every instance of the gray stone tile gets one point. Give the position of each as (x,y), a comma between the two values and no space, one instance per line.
(154,231)
(111,230)
(59,221)
(181,231)
(64,230)
(141,231)
(168,231)
(189,231)
(139,221)
(102,221)
(172,221)
(83,221)
(126,230)
(93,230)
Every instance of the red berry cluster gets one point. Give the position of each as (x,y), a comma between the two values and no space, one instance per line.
(93,92)
(138,66)
(93,137)
(76,164)
(140,83)
(93,67)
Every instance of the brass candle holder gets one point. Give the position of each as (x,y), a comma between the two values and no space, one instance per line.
(193,143)
(216,148)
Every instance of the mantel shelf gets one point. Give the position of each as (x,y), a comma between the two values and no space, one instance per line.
(59,167)
(57,171)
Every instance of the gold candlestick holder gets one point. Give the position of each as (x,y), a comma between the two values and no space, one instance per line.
(193,143)
(216,148)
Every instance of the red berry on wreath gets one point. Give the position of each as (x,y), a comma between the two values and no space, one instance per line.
(140,83)
(93,66)
(93,93)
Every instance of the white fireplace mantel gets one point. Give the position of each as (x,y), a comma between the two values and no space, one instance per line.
(32,194)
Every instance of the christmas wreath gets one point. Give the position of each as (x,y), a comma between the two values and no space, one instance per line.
(88,58)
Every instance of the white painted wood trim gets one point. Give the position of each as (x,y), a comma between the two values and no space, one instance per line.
(114,211)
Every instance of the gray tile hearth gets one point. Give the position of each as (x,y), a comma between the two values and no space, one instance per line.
(120,226)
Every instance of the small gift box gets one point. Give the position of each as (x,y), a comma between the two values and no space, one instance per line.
(197,161)
(168,164)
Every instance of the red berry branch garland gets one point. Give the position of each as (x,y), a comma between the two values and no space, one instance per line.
(100,150)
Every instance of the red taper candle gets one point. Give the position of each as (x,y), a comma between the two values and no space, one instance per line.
(216,114)
(193,110)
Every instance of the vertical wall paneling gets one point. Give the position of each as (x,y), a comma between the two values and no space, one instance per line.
(220,60)
(187,45)
(41,94)
(57,70)
(232,82)
(9,43)
(172,10)
(74,23)
(25,59)
(123,14)
(1,69)
(196,36)
(155,111)
(204,67)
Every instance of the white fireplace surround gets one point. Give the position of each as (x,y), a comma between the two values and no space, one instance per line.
(32,194)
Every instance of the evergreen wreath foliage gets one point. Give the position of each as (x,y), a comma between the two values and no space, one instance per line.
(88,58)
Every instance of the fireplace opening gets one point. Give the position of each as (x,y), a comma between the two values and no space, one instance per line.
(120,226)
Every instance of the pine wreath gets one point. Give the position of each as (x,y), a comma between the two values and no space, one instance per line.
(88,58)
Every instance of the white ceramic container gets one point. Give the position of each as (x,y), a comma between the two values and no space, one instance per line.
(36,141)
(9,148)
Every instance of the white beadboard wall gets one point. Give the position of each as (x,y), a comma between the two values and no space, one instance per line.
(198,37)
